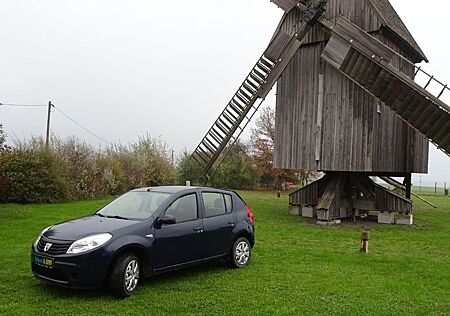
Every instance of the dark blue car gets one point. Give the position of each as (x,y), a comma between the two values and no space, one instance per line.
(144,232)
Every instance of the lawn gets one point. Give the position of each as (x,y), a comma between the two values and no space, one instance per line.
(297,268)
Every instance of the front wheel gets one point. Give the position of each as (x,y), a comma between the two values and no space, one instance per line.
(240,253)
(125,275)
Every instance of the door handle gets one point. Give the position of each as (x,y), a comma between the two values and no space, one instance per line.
(232,224)
(198,230)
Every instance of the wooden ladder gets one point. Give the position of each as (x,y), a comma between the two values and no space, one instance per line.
(235,117)
(244,104)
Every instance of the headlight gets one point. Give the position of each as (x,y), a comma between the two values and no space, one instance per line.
(89,243)
(40,235)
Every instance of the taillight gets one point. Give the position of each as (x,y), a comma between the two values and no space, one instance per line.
(250,215)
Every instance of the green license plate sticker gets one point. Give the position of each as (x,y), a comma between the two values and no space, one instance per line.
(44,262)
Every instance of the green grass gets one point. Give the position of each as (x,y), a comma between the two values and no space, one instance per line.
(428,190)
(297,268)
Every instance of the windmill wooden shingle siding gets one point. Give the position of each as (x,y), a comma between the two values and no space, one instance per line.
(346,128)
(331,98)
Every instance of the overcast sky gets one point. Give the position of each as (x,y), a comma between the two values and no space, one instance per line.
(124,68)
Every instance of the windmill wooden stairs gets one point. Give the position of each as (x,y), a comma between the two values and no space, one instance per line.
(244,104)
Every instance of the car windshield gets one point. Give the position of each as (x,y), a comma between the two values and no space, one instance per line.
(134,205)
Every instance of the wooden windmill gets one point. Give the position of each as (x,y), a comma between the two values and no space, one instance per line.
(347,105)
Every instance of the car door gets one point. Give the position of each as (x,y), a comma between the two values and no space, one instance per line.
(181,242)
(218,222)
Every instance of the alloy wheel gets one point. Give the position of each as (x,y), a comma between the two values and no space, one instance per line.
(131,275)
(242,253)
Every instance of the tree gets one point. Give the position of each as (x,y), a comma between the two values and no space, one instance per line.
(189,170)
(2,138)
(2,135)
(262,139)
(4,181)
(263,146)
(236,170)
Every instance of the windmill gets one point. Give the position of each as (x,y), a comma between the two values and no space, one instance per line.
(347,105)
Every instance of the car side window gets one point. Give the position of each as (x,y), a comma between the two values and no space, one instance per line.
(228,202)
(184,209)
(216,204)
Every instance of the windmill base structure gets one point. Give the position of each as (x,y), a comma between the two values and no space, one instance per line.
(347,105)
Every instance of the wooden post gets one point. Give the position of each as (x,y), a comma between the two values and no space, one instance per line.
(408,186)
(365,242)
(47,137)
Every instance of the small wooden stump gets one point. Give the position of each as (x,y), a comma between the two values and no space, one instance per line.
(365,242)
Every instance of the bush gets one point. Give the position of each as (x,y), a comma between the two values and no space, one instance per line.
(189,170)
(144,163)
(31,177)
(235,172)
(71,169)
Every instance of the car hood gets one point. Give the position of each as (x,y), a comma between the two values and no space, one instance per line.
(86,226)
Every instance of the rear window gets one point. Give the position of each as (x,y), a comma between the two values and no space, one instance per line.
(228,202)
(217,204)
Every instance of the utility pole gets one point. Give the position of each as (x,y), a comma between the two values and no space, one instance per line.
(420,183)
(49,111)
(173,159)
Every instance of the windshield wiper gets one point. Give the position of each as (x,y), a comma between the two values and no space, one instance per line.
(118,217)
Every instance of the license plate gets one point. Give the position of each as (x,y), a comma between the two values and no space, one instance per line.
(44,262)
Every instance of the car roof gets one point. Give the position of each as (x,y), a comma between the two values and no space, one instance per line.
(176,189)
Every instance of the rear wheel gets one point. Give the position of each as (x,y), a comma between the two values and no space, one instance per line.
(240,253)
(125,275)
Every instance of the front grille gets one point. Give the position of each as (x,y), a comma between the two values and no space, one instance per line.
(59,247)
(54,274)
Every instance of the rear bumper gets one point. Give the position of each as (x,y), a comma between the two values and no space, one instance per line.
(83,271)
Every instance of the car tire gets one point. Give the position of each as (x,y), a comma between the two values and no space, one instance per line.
(125,275)
(240,253)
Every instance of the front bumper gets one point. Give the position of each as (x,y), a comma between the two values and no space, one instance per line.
(80,271)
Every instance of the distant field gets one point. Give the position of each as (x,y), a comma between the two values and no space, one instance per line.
(297,269)
(429,190)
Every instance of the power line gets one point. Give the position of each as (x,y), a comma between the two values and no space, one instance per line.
(81,126)
(22,105)
(62,113)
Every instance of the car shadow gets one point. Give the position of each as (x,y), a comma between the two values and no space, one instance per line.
(186,273)
(160,279)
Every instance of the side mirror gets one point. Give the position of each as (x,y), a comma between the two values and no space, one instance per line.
(166,220)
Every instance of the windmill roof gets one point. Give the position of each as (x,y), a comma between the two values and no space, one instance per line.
(393,23)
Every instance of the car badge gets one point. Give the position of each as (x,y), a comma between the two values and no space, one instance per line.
(47,246)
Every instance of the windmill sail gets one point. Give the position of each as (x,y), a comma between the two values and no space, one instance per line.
(366,61)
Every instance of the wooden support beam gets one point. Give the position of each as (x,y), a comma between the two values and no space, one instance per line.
(332,188)
(398,185)
(408,186)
